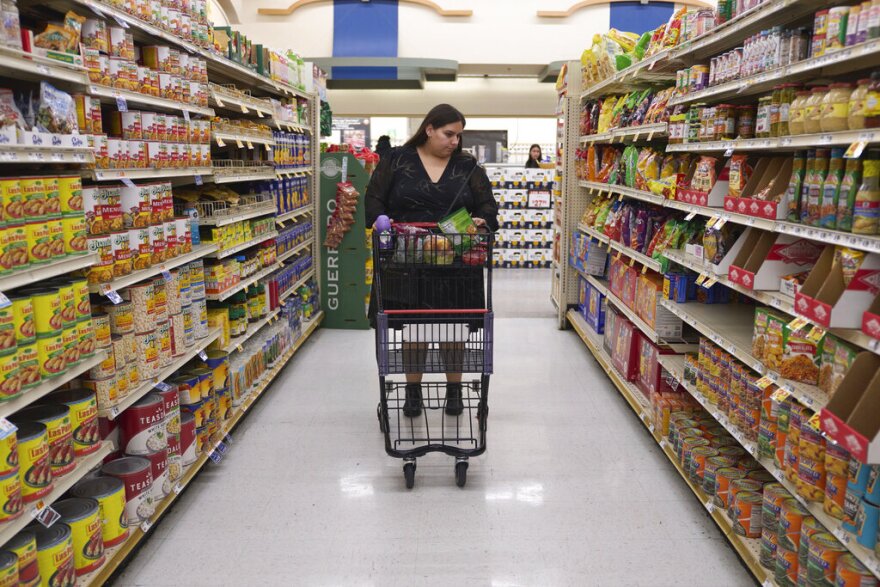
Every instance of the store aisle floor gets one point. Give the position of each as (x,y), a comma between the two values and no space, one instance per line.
(572,489)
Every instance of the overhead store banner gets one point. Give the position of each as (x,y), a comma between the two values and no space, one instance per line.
(639,18)
(365,29)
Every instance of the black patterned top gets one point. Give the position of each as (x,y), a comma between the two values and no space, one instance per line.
(401,189)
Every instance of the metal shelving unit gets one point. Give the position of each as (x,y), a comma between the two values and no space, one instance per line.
(198,252)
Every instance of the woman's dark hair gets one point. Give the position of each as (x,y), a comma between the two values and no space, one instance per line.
(439,116)
(383,146)
(539,150)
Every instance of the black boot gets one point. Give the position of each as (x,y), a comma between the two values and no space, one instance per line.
(454,405)
(412,405)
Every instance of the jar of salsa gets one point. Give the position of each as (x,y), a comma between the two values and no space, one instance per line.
(745,122)
(725,122)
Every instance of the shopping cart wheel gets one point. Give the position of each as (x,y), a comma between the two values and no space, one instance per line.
(461,468)
(379,417)
(409,473)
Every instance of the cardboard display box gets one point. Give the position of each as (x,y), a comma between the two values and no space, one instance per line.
(826,300)
(713,198)
(850,418)
(723,266)
(649,291)
(625,353)
(765,257)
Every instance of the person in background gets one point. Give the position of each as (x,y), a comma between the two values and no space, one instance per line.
(424,181)
(383,146)
(535,157)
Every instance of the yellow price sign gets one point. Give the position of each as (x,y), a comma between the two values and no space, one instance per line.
(780,395)
(816,334)
(710,282)
(703,277)
(764,382)
(644,269)
(632,262)
(797,323)
(239,144)
(815,423)
(220,142)
(712,220)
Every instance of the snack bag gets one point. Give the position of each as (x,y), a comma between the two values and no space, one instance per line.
(740,171)
(849,261)
(460,224)
(705,174)
(57,112)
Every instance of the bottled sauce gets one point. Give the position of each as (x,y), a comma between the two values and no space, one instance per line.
(849,187)
(813,108)
(864,21)
(745,124)
(787,97)
(852,25)
(835,108)
(797,112)
(855,118)
(805,187)
(762,122)
(866,212)
(831,190)
(775,105)
(816,182)
(872,99)
(793,191)
(725,122)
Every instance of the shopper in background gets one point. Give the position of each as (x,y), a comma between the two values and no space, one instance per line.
(535,157)
(383,146)
(425,180)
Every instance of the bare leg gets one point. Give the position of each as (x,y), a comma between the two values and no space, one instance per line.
(453,358)
(414,355)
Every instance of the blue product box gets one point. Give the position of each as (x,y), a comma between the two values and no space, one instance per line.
(596,311)
(583,295)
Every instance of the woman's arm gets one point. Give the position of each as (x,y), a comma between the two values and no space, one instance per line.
(378,190)
(485,206)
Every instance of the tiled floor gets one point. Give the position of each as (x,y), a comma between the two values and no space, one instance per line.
(571,491)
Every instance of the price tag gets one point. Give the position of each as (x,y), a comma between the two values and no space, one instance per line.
(709,282)
(268,148)
(617,256)
(178,488)
(650,135)
(216,457)
(79,157)
(855,150)
(636,137)
(6,428)
(239,348)
(765,382)
(632,262)
(37,156)
(114,411)
(815,422)
(42,69)
(651,66)
(4,301)
(121,22)
(198,179)
(702,277)
(722,221)
(825,139)
(712,220)
(219,101)
(114,297)
(203,356)
(259,114)
(780,395)
(816,334)
(186,115)
(162,386)
(45,515)
(57,157)
(690,216)
(728,152)
(145,526)
(128,183)
(250,145)
(620,197)
(121,104)
(239,144)
(220,142)
(797,323)
(710,507)
(244,109)
(644,269)
(166,275)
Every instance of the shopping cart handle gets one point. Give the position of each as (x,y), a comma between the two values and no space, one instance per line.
(428,312)
(415,224)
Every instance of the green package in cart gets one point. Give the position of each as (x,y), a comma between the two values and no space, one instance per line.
(459,225)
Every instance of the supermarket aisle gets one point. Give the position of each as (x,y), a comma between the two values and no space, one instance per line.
(572,490)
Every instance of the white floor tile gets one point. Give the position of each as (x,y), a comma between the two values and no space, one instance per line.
(571,491)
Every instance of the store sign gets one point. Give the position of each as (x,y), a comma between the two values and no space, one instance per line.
(354,132)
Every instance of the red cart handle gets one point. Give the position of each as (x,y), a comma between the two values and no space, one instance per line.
(425,312)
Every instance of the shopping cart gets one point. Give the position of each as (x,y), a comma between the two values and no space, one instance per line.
(434,316)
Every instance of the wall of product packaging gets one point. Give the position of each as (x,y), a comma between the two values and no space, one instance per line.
(721,190)
(145,306)
(525,217)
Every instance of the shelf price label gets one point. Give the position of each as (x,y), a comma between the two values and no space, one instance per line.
(4,301)
(712,220)
(709,282)
(814,422)
(220,142)
(198,179)
(239,144)
(203,356)
(780,395)
(690,215)
(244,109)
(797,323)
(765,382)
(250,145)
(816,334)
(162,386)
(703,277)
(121,104)
(113,296)
(44,514)
(855,150)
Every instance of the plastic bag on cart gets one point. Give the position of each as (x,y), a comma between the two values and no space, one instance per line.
(409,243)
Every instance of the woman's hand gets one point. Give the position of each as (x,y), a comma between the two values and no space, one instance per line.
(480,222)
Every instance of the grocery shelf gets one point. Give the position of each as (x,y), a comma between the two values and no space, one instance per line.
(635,132)
(602,137)
(793,142)
(674,364)
(599,284)
(300,247)
(233,215)
(198,252)
(22,65)
(244,104)
(748,549)
(252,329)
(218,254)
(736,322)
(116,556)
(861,56)
(241,138)
(774,299)
(33,274)
(616,81)
(244,283)
(290,126)
(9,407)
(84,465)
(298,172)
(200,345)
(649,332)
(593,233)
(282,218)
(636,256)
(299,283)
(111,95)
(29,154)
(265,175)
(146,173)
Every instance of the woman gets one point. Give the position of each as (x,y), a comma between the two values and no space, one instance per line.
(425,180)
(383,146)
(535,157)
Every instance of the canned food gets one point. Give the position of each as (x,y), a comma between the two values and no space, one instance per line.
(136,473)
(10,497)
(161,477)
(70,192)
(57,420)
(110,495)
(836,460)
(141,251)
(148,354)
(188,388)
(67,298)
(13,200)
(101,326)
(121,317)
(769,546)
(712,465)
(102,270)
(723,478)
(867,523)
(56,238)
(163,338)
(122,262)
(851,573)
(11,382)
(160,300)
(188,444)
(83,407)
(746,511)
(70,340)
(81,291)
(119,352)
(786,572)
(86,337)
(774,494)
(822,559)
(105,391)
(157,244)
(142,426)
(75,235)
(33,191)
(53,197)
(136,206)
(55,554)
(82,515)
(143,302)
(35,469)
(51,354)
(24,545)
(38,244)
(809,528)
(202,436)
(835,496)
(811,478)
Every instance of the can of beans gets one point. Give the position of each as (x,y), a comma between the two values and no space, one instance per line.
(35,469)
(143,302)
(142,426)
(110,494)
(160,300)
(136,474)
(121,317)
(141,251)
(101,326)
(70,193)
(105,390)
(55,553)
(86,337)
(161,478)
(24,545)
(178,336)
(148,354)
(82,515)
(56,417)
(74,231)
(83,407)
(188,445)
